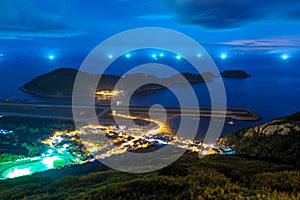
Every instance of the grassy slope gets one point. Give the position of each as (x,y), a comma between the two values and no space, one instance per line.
(213,177)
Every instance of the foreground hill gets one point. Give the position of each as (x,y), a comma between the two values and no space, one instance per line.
(256,173)
(278,140)
(59,83)
(213,177)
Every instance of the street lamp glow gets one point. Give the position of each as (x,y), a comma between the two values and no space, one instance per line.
(178,57)
(161,55)
(153,55)
(199,55)
(110,56)
(223,56)
(128,55)
(285,56)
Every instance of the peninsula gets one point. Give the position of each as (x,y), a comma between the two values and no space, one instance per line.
(59,83)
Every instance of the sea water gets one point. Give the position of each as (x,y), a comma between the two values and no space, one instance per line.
(272,91)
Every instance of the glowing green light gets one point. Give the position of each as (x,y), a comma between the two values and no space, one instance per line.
(49,161)
(18,172)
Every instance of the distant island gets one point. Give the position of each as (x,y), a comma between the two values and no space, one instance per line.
(235,74)
(59,83)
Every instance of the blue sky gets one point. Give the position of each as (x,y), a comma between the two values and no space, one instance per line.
(246,25)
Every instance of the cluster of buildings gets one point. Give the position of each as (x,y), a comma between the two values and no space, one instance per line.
(4,132)
(99,142)
(70,143)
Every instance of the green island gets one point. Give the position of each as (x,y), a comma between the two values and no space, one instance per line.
(59,83)
(265,166)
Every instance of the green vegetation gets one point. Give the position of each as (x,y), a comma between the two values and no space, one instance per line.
(24,135)
(277,141)
(7,157)
(213,177)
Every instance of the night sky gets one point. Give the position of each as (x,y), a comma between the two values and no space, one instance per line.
(73,26)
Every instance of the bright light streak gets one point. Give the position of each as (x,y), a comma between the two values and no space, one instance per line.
(51,57)
(49,161)
(128,55)
(178,57)
(223,56)
(285,56)
(18,172)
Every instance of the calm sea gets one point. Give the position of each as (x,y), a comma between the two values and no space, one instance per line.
(272,91)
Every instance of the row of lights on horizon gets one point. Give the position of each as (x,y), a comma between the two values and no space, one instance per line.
(154,56)
(223,56)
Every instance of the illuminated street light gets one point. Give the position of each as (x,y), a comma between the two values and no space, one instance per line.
(128,55)
(178,57)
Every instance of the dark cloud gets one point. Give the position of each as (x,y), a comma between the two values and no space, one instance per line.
(25,20)
(224,14)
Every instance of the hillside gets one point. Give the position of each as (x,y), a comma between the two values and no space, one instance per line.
(213,177)
(59,83)
(266,167)
(278,140)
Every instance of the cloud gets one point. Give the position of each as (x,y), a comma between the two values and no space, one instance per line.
(22,19)
(277,42)
(155,17)
(268,46)
(227,14)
